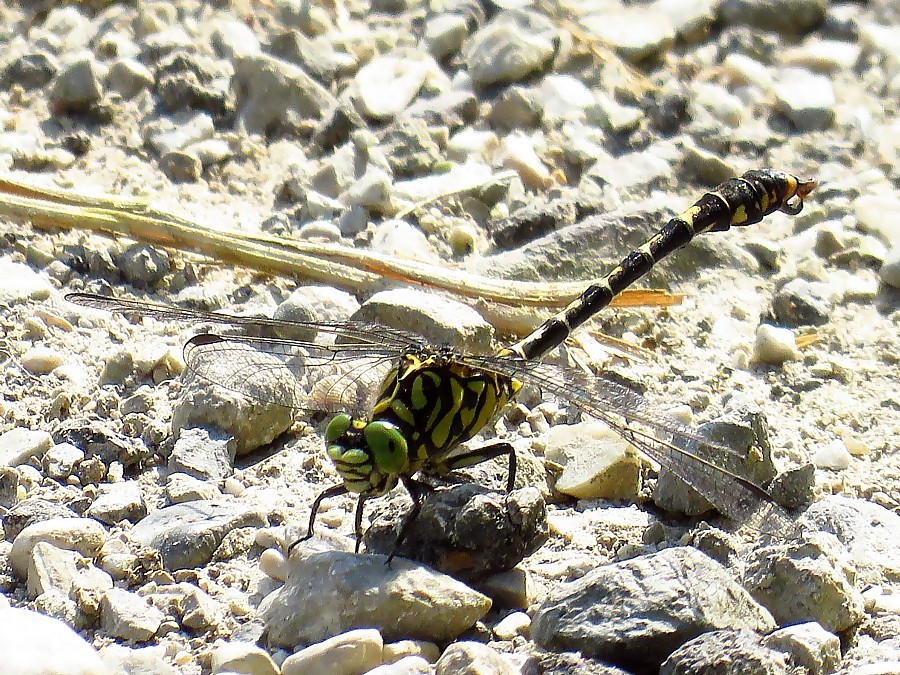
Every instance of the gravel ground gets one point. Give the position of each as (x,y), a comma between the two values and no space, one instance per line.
(146,515)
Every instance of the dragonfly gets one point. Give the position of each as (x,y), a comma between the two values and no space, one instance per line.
(402,407)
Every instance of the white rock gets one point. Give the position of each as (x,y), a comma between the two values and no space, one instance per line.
(774,345)
(18,283)
(809,646)
(597,463)
(388,84)
(242,657)
(128,616)
(512,625)
(356,651)
(41,360)
(84,535)
(273,564)
(18,445)
(519,153)
(808,100)
(33,643)
(833,455)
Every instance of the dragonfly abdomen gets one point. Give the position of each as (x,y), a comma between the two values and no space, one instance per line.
(738,201)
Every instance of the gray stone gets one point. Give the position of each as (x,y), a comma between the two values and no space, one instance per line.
(356,651)
(742,447)
(567,663)
(790,17)
(800,302)
(410,148)
(444,34)
(128,616)
(890,270)
(184,488)
(733,651)
(271,91)
(807,645)
(181,166)
(636,612)
(34,643)
(128,77)
(9,490)
(210,151)
(51,569)
(328,593)
(441,320)
(515,44)
(30,511)
(186,535)
(810,579)
(473,657)
(203,454)
(191,606)
(515,108)
(806,99)
(116,502)
(867,530)
(77,86)
(31,70)
(216,399)
(371,191)
(59,461)
(466,530)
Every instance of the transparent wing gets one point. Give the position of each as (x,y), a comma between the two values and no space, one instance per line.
(662,438)
(339,369)
(353,331)
(292,373)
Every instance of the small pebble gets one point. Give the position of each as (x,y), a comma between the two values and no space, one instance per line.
(41,360)
(774,345)
(512,625)
(833,455)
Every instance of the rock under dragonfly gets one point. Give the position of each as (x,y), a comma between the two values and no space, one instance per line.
(466,530)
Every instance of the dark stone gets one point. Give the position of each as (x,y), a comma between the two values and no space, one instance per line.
(466,531)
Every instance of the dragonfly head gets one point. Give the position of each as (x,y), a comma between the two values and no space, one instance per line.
(369,456)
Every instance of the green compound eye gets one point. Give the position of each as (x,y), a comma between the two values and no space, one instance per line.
(387,445)
(337,427)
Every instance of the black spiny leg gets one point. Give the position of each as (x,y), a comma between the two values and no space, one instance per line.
(357,521)
(333,491)
(480,455)
(416,489)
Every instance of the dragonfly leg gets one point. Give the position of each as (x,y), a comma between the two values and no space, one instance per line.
(333,491)
(484,454)
(416,489)
(357,521)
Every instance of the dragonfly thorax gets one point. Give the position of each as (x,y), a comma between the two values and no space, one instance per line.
(369,455)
